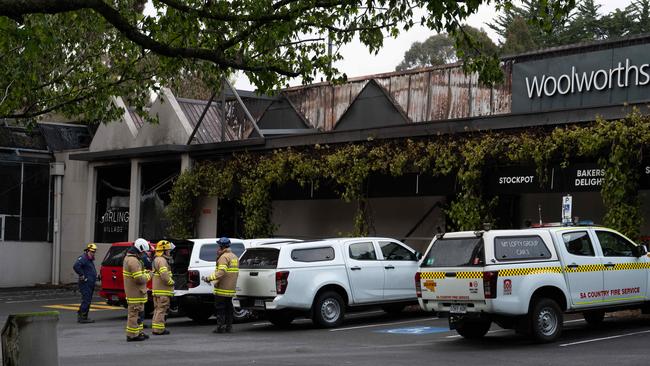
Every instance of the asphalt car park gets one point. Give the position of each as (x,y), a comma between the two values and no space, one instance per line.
(366,338)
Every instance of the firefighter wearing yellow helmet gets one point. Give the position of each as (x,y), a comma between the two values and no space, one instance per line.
(162,286)
(84,266)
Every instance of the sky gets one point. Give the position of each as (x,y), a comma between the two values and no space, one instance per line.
(357,61)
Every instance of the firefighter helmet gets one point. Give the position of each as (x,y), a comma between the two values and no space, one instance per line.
(224,242)
(141,245)
(163,245)
(91,247)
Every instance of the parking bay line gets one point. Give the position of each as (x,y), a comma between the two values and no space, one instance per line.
(604,338)
(383,324)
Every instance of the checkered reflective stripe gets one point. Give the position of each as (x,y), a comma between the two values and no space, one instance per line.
(441,275)
(510,272)
(628,266)
(473,274)
(432,275)
(586,268)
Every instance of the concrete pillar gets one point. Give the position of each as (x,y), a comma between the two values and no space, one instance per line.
(186,162)
(57,170)
(206,227)
(135,193)
(91,198)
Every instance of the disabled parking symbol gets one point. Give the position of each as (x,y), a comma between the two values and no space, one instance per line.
(414,330)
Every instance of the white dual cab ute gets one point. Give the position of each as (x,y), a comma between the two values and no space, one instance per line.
(323,279)
(196,258)
(527,279)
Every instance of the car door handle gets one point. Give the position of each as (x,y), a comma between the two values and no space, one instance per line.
(573,265)
(355,268)
(609,265)
(389,267)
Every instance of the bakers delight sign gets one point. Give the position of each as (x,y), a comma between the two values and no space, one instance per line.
(599,78)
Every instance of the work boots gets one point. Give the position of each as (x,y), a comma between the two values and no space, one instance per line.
(140,337)
(82,318)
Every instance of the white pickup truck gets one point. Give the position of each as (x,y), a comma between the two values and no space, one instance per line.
(527,279)
(196,258)
(323,279)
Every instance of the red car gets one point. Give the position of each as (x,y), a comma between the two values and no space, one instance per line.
(111,275)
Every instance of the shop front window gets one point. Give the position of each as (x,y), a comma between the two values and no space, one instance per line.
(24,201)
(112,205)
(157,181)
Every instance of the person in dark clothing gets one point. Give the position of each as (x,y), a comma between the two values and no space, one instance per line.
(84,266)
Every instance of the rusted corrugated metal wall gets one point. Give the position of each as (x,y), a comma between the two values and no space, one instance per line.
(432,94)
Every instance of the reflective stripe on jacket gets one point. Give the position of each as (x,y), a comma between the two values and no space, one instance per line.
(225,275)
(162,283)
(135,279)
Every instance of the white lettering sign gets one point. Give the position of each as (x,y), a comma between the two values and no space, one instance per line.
(622,76)
(524,179)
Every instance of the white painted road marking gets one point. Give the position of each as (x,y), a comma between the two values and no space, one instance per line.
(383,324)
(604,338)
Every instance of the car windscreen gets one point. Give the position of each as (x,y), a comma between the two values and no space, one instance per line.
(115,256)
(209,251)
(455,252)
(259,258)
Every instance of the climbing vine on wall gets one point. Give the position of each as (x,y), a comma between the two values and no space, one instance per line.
(616,145)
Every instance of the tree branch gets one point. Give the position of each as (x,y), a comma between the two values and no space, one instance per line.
(16,10)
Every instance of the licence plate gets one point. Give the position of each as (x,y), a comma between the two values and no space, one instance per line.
(259,303)
(458,309)
(115,298)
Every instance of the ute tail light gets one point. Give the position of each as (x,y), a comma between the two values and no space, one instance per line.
(490,284)
(193,279)
(281,281)
(418,285)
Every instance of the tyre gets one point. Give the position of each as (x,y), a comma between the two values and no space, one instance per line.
(546,320)
(200,314)
(473,329)
(280,318)
(328,310)
(594,318)
(393,309)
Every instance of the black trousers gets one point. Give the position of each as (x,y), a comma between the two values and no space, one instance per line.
(86,288)
(223,309)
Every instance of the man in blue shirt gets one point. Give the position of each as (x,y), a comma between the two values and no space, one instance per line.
(84,266)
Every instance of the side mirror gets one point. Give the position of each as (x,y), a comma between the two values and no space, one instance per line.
(418,255)
(640,251)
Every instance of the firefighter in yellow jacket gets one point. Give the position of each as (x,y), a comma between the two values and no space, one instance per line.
(162,285)
(135,286)
(224,279)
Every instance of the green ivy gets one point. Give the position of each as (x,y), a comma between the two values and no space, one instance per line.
(616,145)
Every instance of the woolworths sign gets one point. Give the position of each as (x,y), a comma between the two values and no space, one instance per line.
(591,79)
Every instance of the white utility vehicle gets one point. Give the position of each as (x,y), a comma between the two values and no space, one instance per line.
(527,279)
(322,279)
(196,258)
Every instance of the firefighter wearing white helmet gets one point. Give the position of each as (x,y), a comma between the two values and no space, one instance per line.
(162,285)
(84,266)
(135,287)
